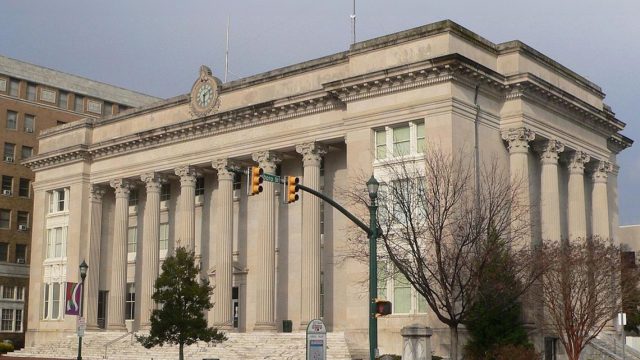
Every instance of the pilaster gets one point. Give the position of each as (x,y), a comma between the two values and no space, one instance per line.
(600,200)
(549,152)
(576,213)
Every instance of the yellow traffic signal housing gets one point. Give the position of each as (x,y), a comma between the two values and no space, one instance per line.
(383,308)
(291,189)
(254,180)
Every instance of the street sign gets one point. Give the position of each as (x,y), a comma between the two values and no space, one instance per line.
(271,178)
(316,340)
(81,326)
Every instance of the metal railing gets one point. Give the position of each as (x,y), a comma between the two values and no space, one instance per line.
(107,345)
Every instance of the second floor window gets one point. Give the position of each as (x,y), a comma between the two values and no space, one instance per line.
(56,240)
(12,120)
(400,140)
(133,197)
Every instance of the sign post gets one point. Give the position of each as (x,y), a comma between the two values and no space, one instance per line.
(81,326)
(316,340)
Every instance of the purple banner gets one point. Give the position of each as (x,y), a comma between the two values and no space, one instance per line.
(74,293)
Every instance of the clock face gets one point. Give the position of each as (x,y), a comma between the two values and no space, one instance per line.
(204,95)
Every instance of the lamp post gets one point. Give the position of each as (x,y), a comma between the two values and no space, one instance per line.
(83,274)
(372,187)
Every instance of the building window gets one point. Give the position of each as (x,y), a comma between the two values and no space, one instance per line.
(78,104)
(107,109)
(4,251)
(63,100)
(14,87)
(12,120)
(237,181)
(29,123)
(132,239)
(7,320)
(7,185)
(23,187)
(165,192)
(31,92)
(5,219)
(200,186)
(130,302)
(400,140)
(401,294)
(23,220)
(393,285)
(21,254)
(56,240)
(20,293)
(27,152)
(164,236)
(8,292)
(58,200)
(9,152)
(18,327)
(52,300)
(133,197)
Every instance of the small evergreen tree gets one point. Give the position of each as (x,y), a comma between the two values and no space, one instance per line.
(183,300)
(494,320)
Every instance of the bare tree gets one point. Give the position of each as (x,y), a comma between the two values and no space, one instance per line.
(582,289)
(436,216)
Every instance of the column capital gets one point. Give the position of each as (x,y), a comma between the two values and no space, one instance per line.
(312,153)
(577,161)
(153,181)
(601,170)
(122,186)
(267,160)
(188,175)
(518,139)
(96,192)
(549,151)
(225,168)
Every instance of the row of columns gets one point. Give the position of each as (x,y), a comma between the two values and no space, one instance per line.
(549,151)
(223,239)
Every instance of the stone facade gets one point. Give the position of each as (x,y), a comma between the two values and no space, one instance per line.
(32,99)
(165,177)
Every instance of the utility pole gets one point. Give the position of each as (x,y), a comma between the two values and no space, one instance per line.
(353,23)
(226,53)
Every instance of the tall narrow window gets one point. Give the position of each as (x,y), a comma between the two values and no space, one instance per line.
(21,253)
(18,327)
(165,192)
(200,186)
(107,108)
(14,87)
(27,152)
(7,185)
(23,189)
(23,220)
(130,310)
(12,120)
(401,141)
(56,242)
(78,104)
(401,294)
(164,236)
(7,320)
(133,197)
(45,309)
(420,137)
(63,100)
(381,144)
(29,123)
(8,292)
(132,239)
(57,200)
(9,152)
(31,92)
(55,301)
(237,181)
(5,219)
(19,293)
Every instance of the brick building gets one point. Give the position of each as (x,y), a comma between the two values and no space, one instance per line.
(34,98)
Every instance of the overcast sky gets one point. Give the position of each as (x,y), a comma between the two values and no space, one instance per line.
(157,46)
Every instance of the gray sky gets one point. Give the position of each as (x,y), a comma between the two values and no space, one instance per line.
(157,46)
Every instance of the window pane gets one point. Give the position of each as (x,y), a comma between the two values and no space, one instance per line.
(401,136)
(130,302)
(381,144)
(63,99)
(24,188)
(7,183)
(401,294)
(55,302)
(420,137)
(5,219)
(132,239)
(165,192)
(12,120)
(79,104)
(107,108)
(29,123)
(31,92)
(27,152)
(14,87)
(23,218)
(61,198)
(7,319)
(200,186)
(46,301)
(133,197)
(423,307)
(21,253)
(18,327)
(164,236)
(9,151)
(7,292)
(20,293)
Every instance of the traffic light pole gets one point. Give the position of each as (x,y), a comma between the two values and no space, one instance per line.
(372,233)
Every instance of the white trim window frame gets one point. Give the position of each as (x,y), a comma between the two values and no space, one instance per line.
(59,201)
(52,305)
(399,140)
(390,283)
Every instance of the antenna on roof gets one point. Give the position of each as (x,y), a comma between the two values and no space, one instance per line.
(353,23)
(226,54)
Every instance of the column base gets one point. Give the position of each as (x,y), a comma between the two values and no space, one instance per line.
(266,327)
(226,326)
(116,327)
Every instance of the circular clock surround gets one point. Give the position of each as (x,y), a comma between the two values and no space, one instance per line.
(204,93)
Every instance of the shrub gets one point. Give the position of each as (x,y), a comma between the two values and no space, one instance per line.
(515,352)
(5,347)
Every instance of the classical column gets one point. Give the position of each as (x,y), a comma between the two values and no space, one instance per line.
(187,214)
(223,311)
(93,277)
(600,200)
(311,250)
(265,287)
(576,214)
(118,286)
(150,246)
(518,145)
(549,189)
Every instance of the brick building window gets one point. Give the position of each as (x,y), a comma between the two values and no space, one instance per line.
(27,152)
(14,87)
(23,220)
(8,292)
(29,123)
(9,152)
(23,187)
(7,185)
(63,100)
(21,254)
(4,251)
(78,104)
(31,92)
(20,293)
(107,109)
(7,320)
(5,219)
(12,120)
(18,327)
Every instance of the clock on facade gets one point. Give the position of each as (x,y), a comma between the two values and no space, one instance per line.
(204,93)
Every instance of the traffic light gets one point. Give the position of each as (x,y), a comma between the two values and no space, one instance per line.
(291,189)
(383,308)
(254,180)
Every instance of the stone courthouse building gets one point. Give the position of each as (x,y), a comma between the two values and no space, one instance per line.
(125,190)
